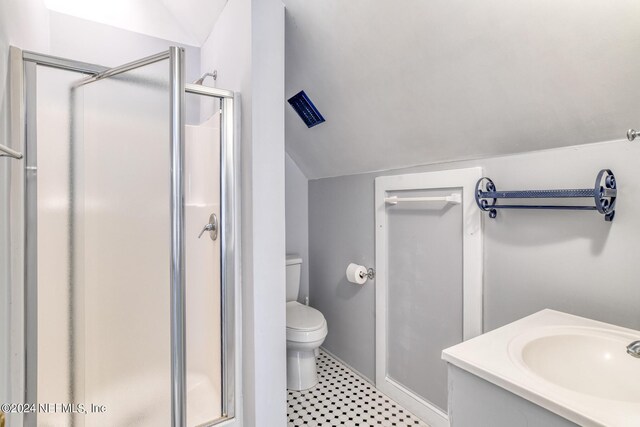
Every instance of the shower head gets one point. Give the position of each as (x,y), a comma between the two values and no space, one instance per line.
(205,75)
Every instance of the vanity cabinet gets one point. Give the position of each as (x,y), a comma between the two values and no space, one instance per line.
(474,402)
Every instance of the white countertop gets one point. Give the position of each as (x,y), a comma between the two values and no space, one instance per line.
(488,357)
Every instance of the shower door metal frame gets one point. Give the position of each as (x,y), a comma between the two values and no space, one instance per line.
(230,223)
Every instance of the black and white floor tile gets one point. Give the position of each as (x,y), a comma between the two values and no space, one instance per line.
(344,399)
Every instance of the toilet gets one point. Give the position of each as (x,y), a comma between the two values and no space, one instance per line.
(306,331)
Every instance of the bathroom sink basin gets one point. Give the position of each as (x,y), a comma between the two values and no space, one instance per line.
(574,367)
(585,360)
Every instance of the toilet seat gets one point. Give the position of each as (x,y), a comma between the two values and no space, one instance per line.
(304,323)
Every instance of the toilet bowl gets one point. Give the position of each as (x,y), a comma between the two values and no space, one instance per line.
(306,331)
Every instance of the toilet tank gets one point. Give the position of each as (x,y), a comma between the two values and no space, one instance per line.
(294,264)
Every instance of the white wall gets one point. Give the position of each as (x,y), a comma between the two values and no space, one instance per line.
(297,220)
(26,23)
(268,187)
(4,215)
(228,50)
(246,46)
(565,260)
(110,46)
(149,17)
(22,22)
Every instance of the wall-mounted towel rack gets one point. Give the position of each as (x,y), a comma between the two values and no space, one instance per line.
(454,198)
(8,152)
(604,195)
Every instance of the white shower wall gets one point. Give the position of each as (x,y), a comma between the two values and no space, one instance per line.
(202,198)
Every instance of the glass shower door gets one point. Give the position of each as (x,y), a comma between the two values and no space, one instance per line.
(109,207)
(122,245)
(116,261)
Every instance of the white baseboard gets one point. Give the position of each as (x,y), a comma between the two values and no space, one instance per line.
(355,371)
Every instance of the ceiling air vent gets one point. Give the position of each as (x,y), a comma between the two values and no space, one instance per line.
(305,109)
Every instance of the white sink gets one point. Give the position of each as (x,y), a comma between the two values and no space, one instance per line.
(574,367)
(586,360)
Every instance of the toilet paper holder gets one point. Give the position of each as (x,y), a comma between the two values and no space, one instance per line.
(358,274)
(371,274)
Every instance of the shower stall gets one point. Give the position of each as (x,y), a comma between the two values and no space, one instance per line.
(130,227)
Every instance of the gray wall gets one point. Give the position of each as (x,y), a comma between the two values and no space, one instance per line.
(569,261)
(474,402)
(431,274)
(451,80)
(297,218)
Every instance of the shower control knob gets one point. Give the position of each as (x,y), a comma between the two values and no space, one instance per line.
(632,134)
(211,227)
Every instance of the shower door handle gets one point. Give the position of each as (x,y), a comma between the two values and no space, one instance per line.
(211,227)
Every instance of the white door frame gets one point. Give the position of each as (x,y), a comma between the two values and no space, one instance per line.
(472,274)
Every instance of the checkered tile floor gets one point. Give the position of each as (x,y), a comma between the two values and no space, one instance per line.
(344,399)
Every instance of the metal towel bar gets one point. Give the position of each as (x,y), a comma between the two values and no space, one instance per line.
(604,194)
(454,198)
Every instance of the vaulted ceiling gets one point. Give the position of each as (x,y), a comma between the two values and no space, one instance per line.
(183,21)
(412,82)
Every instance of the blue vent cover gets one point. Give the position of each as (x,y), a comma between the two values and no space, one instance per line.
(305,109)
